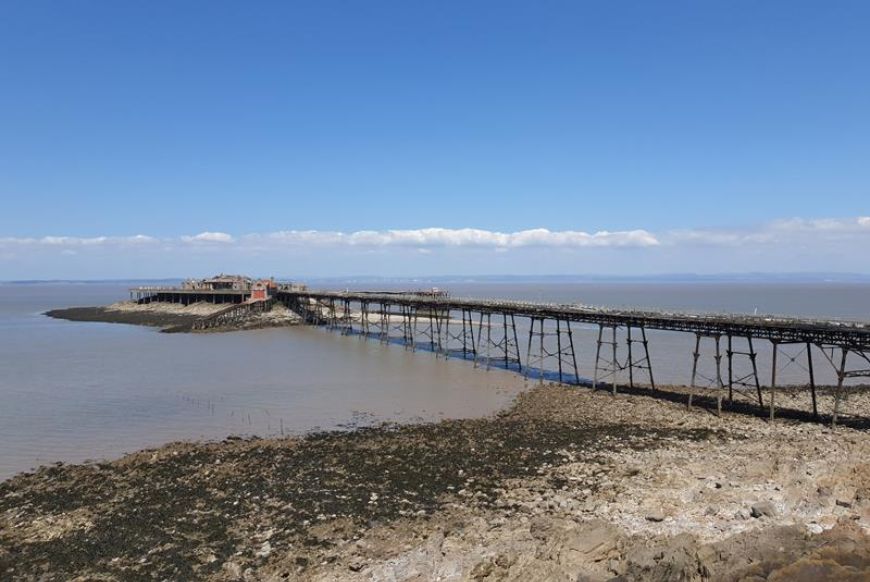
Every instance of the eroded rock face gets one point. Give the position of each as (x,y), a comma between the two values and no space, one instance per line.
(573,544)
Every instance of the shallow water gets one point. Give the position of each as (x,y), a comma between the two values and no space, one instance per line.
(72,391)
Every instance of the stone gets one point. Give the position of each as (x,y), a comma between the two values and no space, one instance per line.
(264,550)
(655,515)
(233,570)
(763,509)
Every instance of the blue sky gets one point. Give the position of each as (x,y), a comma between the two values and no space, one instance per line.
(167,138)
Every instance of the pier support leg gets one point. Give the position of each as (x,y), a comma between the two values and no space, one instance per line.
(614,361)
(597,357)
(696,354)
(652,381)
(753,356)
(633,362)
(612,367)
(558,347)
(773,382)
(730,355)
(838,395)
(573,353)
(529,360)
(812,380)
(719,385)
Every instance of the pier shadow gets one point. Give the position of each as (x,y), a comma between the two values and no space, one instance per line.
(702,400)
(707,403)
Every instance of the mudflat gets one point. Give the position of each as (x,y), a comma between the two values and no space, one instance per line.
(567,484)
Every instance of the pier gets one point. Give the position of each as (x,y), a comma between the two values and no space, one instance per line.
(537,339)
(486,331)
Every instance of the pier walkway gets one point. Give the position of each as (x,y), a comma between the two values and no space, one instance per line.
(486,331)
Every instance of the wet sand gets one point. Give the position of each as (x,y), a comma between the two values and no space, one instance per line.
(567,484)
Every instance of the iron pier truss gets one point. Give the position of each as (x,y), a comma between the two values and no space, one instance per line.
(486,331)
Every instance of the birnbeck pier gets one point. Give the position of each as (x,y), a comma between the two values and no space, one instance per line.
(488,331)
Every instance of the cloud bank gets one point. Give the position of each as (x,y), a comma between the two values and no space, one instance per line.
(792,244)
(776,231)
(419,238)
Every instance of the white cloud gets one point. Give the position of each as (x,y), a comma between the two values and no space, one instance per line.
(219,237)
(464,237)
(784,234)
(75,241)
(776,232)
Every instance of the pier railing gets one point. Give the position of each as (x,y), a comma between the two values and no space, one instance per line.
(486,331)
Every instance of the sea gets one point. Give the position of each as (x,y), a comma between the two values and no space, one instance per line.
(80,391)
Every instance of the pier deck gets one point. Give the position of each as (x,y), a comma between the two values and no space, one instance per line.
(485,330)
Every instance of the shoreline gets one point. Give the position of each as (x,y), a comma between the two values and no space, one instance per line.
(173,318)
(563,483)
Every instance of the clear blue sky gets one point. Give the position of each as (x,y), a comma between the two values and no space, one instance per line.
(170,119)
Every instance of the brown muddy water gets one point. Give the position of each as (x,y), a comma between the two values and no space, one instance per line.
(71,391)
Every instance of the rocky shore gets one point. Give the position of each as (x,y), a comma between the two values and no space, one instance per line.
(173,317)
(567,484)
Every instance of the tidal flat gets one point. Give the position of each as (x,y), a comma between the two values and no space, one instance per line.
(565,484)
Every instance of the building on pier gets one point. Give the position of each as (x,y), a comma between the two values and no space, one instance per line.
(221,288)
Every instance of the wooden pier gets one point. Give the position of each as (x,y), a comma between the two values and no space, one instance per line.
(485,331)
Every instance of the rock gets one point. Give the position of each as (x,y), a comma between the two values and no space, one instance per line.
(844,502)
(482,570)
(655,515)
(264,550)
(573,544)
(233,570)
(763,509)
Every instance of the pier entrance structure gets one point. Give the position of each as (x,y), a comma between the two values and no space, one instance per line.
(485,331)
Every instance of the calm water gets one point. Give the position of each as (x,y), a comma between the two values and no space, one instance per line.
(74,391)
